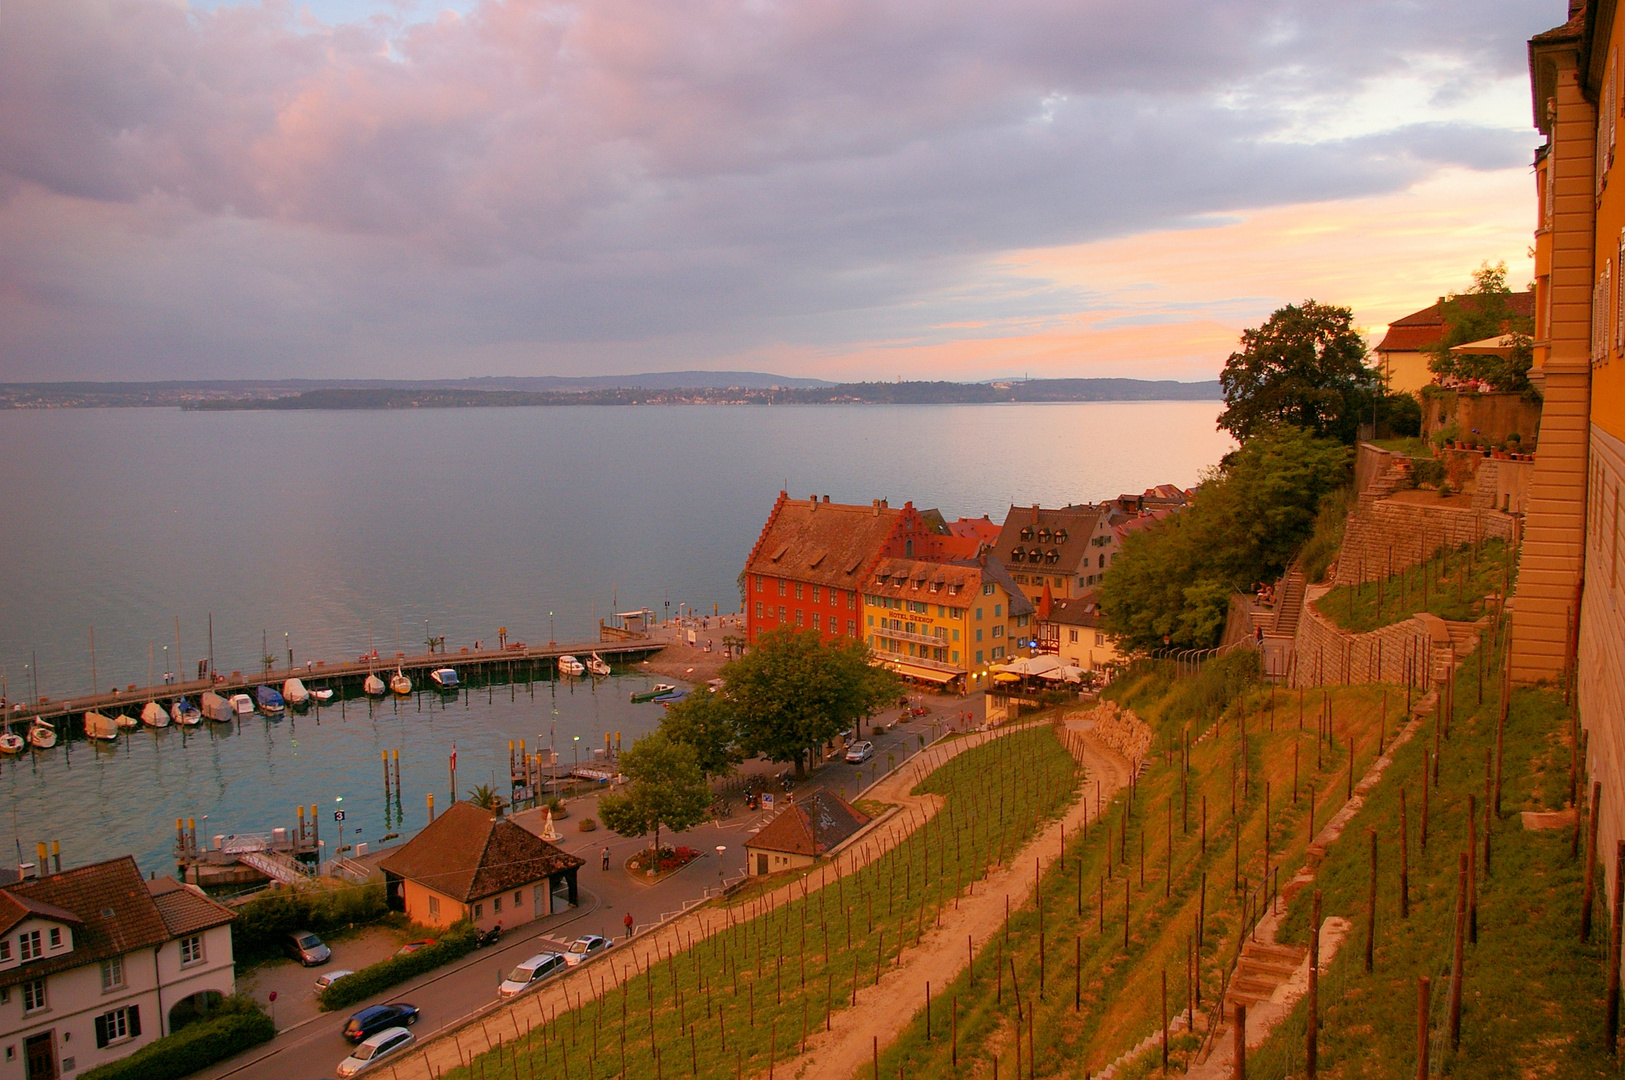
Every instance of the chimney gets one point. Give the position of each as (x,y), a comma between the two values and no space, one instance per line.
(884,505)
(826,498)
(875,504)
(812,501)
(28,871)
(1035,513)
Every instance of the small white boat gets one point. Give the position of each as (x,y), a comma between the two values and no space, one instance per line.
(324,694)
(216,708)
(597,666)
(42,734)
(12,743)
(444,678)
(100,727)
(569,665)
(374,686)
(184,713)
(295,694)
(399,683)
(241,704)
(126,721)
(153,715)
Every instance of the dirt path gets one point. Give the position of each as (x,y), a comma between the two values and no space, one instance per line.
(882,1009)
(500,1022)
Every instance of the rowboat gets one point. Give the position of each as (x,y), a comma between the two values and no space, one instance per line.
(271,703)
(100,727)
(569,665)
(659,689)
(399,683)
(671,696)
(216,708)
(445,678)
(153,715)
(597,666)
(295,694)
(12,743)
(324,694)
(184,713)
(41,734)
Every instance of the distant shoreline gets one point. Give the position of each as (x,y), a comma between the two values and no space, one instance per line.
(234,396)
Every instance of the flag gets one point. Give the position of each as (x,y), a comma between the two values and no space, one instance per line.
(453,757)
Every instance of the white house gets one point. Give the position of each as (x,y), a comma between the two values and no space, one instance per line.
(96,962)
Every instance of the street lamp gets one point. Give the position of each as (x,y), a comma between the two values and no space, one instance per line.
(552,639)
(575,750)
(720,849)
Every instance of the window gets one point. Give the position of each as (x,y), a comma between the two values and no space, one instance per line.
(978,614)
(956,633)
(1100,639)
(118,1025)
(998,631)
(956,656)
(998,653)
(781,586)
(758,609)
(851,628)
(518,895)
(56,937)
(851,600)
(798,616)
(978,656)
(815,594)
(1021,620)
(496,906)
(479,911)
(816,620)
(871,620)
(28,946)
(192,950)
(1072,636)
(434,907)
(1102,563)
(5,949)
(33,995)
(798,590)
(112,973)
(987,590)
(782,615)
(998,611)
(908,549)
(978,633)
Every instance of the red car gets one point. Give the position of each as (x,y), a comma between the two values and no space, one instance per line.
(413,946)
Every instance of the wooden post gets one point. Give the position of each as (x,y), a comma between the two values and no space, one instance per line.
(1240,1072)
(1472,870)
(1165,1021)
(1424,987)
(1459,952)
(1404,861)
(1311,1054)
(1423,825)
(1370,904)
(1351,768)
(1611,1020)
(1591,863)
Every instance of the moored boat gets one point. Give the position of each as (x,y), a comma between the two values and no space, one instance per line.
(41,734)
(445,678)
(217,708)
(597,666)
(100,727)
(324,694)
(399,683)
(153,715)
(659,689)
(270,702)
(374,686)
(668,698)
(12,743)
(569,665)
(184,713)
(295,694)
(242,704)
(126,721)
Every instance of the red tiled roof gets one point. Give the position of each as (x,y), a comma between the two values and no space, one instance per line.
(952,581)
(468,854)
(814,825)
(1422,328)
(975,528)
(822,542)
(184,909)
(1077,611)
(1079,525)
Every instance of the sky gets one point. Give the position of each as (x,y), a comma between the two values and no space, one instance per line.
(843,189)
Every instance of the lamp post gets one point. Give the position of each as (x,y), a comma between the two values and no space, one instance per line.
(720,849)
(287,644)
(552,639)
(166,665)
(575,750)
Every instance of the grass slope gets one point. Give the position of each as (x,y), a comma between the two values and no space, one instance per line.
(1451,585)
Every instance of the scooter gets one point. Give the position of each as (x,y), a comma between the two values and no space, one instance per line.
(488,937)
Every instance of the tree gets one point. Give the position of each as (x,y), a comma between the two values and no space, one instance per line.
(794,691)
(1170,586)
(1304,367)
(708,723)
(665,787)
(1484,311)
(485,797)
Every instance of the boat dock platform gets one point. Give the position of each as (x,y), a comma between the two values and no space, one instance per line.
(516,662)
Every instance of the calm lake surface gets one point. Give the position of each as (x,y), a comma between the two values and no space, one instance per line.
(329,532)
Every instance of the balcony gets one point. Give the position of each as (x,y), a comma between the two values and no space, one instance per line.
(918,639)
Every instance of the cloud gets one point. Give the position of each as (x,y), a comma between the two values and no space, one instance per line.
(247,190)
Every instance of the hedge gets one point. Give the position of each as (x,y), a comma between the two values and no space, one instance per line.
(453,945)
(197,1046)
(264,923)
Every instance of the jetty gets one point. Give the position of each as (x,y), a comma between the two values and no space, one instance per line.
(514,662)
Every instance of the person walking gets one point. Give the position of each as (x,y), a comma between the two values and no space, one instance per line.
(606,858)
(628,923)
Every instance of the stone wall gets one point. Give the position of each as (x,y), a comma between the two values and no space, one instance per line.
(1601,673)
(1323,654)
(1386,534)
(1503,485)
(1492,416)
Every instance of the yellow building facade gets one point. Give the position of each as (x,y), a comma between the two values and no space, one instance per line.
(946,623)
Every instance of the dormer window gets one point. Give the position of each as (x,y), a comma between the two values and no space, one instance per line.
(1060,536)
(1043,536)
(5,950)
(28,946)
(1027,532)
(1018,555)
(56,938)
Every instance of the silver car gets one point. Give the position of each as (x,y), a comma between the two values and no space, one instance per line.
(858,753)
(373,1050)
(530,973)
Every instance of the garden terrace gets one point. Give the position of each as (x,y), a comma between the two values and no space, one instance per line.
(1452,583)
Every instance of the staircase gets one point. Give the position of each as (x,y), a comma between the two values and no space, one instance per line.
(276,866)
(1390,481)
(1262,970)
(1289,603)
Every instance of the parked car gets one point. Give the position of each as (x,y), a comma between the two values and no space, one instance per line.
(328,978)
(530,973)
(583,947)
(860,752)
(307,948)
(374,1049)
(369,1022)
(413,946)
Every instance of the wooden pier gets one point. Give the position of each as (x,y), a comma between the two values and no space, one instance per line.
(512,663)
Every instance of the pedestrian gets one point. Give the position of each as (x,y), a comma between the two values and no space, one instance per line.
(627,922)
(606,858)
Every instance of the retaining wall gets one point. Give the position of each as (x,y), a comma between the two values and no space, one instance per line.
(1386,535)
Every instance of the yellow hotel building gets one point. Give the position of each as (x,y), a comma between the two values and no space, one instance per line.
(1569,607)
(946,623)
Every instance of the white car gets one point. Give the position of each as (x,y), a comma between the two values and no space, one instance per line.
(328,978)
(583,947)
(858,753)
(531,972)
(387,1042)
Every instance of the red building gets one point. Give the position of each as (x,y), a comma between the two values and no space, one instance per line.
(809,566)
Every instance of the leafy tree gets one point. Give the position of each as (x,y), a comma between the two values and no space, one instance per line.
(794,691)
(1304,367)
(1485,311)
(665,787)
(1170,586)
(708,723)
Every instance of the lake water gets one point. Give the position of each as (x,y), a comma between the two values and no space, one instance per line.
(329,532)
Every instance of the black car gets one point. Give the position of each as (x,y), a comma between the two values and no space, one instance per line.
(375,1019)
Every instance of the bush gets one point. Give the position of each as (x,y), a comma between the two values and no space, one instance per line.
(587,824)
(265,921)
(1427,470)
(454,945)
(235,1026)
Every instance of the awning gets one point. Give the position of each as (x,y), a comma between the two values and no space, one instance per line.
(929,674)
(1496,346)
(1005,676)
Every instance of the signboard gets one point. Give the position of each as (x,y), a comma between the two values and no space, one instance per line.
(338,815)
(767,800)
